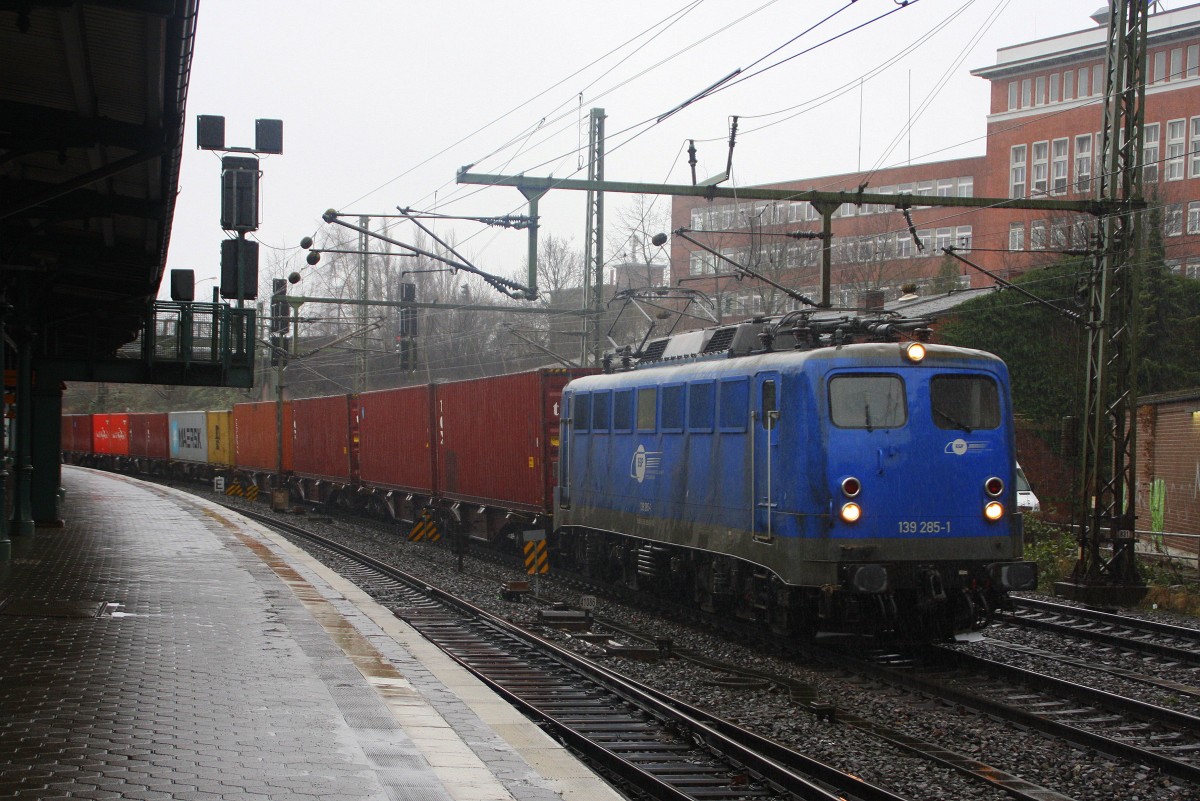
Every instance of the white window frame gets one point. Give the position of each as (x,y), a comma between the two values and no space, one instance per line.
(1037,235)
(1068,84)
(1158,72)
(1176,72)
(1026,93)
(1176,149)
(1083,163)
(1083,83)
(1173,219)
(1060,151)
(1054,78)
(1150,153)
(1039,91)
(1039,171)
(1193,61)
(965,186)
(963,234)
(1016,236)
(1193,217)
(1012,95)
(1017,170)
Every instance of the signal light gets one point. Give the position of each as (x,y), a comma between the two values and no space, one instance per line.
(851,513)
(915,352)
(994,486)
(993,511)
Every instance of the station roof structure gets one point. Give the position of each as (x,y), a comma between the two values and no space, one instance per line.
(92,98)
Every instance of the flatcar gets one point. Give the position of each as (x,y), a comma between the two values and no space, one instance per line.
(849,487)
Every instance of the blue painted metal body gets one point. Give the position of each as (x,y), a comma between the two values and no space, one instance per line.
(747,457)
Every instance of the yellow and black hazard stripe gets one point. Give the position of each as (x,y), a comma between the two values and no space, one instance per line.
(234,488)
(252,492)
(425,528)
(536,558)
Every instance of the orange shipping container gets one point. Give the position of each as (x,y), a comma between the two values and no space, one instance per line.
(255,438)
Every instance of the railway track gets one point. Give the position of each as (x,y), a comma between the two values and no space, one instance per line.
(643,741)
(1175,643)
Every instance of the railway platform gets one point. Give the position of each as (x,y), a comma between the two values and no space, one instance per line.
(159,646)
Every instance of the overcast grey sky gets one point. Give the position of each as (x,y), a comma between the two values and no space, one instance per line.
(383,101)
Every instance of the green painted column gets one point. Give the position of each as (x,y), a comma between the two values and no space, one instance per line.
(47,453)
(22,518)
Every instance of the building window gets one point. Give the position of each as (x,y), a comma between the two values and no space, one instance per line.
(1194,147)
(943,238)
(1037,235)
(1083,163)
(1176,130)
(1041,168)
(1159,73)
(1026,93)
(962,237)
(1150,154)
(1191,269)
(1193,61)
(903,245)
(1039,91)
(1012,95)
(1016,236)
(1173,219)
(966,186)
(1081,234)
(1068,84)
(1054,87)
(945,187)
(1062,155)
(1193,217)
(1176,64)
(926,238)
(1098,79)
(1016,171)
(1059,232)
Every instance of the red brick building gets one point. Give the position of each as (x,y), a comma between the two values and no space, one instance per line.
(1043,141)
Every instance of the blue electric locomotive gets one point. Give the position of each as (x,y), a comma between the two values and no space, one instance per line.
(844,487)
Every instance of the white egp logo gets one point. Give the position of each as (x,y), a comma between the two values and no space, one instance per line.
(645,464)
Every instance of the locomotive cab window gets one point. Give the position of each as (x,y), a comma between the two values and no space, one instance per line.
(867,401)
(964,402)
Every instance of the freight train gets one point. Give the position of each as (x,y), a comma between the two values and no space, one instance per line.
(769,470)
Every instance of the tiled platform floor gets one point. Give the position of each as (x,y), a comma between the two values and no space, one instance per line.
(161,647)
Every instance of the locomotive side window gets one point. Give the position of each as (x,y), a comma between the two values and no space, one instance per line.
(647,411)
(623,410)
(735,404)
(582,419)
(701,406)
(964,402)
(601,409)
(867,401)
(672,407)
(768,404)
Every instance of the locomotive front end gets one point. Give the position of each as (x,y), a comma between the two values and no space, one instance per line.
(924,522)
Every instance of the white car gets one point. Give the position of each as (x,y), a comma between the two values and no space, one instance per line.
(1027,501)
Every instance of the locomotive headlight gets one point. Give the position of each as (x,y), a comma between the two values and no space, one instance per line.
(851,486)
(851,512)
(915,352)
(993,511)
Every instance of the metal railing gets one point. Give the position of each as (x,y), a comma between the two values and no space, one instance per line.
(194,333)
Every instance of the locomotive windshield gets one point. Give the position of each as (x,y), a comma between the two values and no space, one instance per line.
(867,401)
(964,402)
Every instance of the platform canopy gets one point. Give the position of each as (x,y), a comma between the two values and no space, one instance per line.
(92,101)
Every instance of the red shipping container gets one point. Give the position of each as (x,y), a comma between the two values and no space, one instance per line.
(324,445)
(395,448)
(77,433)
(148,435)
(497,438)
(255,438)
(110,434)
